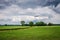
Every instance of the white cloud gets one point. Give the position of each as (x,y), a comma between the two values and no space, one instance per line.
(14,13)
(20,18)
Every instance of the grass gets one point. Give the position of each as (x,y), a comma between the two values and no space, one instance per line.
(10,27)
(32,33)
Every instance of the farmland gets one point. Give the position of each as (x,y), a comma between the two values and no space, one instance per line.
(30,33)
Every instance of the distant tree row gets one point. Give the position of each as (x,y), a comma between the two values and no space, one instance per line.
(31,23)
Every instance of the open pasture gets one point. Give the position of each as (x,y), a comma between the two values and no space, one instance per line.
(30,33)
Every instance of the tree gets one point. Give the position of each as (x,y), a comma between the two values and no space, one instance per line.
(37,24)
(5,24)
(50,24)
(40,24)
(26,25)
(22,23)
(31,23)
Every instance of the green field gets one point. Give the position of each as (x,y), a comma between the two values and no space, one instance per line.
(30,33)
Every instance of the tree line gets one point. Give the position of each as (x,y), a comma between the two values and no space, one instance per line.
(31,23)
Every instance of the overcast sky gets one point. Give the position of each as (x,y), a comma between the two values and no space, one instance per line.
(14,11)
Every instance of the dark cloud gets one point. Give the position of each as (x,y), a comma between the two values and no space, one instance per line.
(50,3)
(28,3)
(57,11)
(4,4)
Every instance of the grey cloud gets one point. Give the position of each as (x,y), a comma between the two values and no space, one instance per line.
(49,2)
(57,11)
(6,20)
(29,3)
(33,4)
(4,4)
(21,3)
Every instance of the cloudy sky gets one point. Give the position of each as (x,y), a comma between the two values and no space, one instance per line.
(14,11)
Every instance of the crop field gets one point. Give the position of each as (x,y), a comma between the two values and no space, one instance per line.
(29,33)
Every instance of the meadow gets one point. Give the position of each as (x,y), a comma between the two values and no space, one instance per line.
(30,33)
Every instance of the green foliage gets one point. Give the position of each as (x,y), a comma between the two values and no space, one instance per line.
(22,23)
(40,24)
(50,24)
(37,24)
(31,23)
(5,24)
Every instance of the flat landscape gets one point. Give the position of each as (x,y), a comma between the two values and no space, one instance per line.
(30,33)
